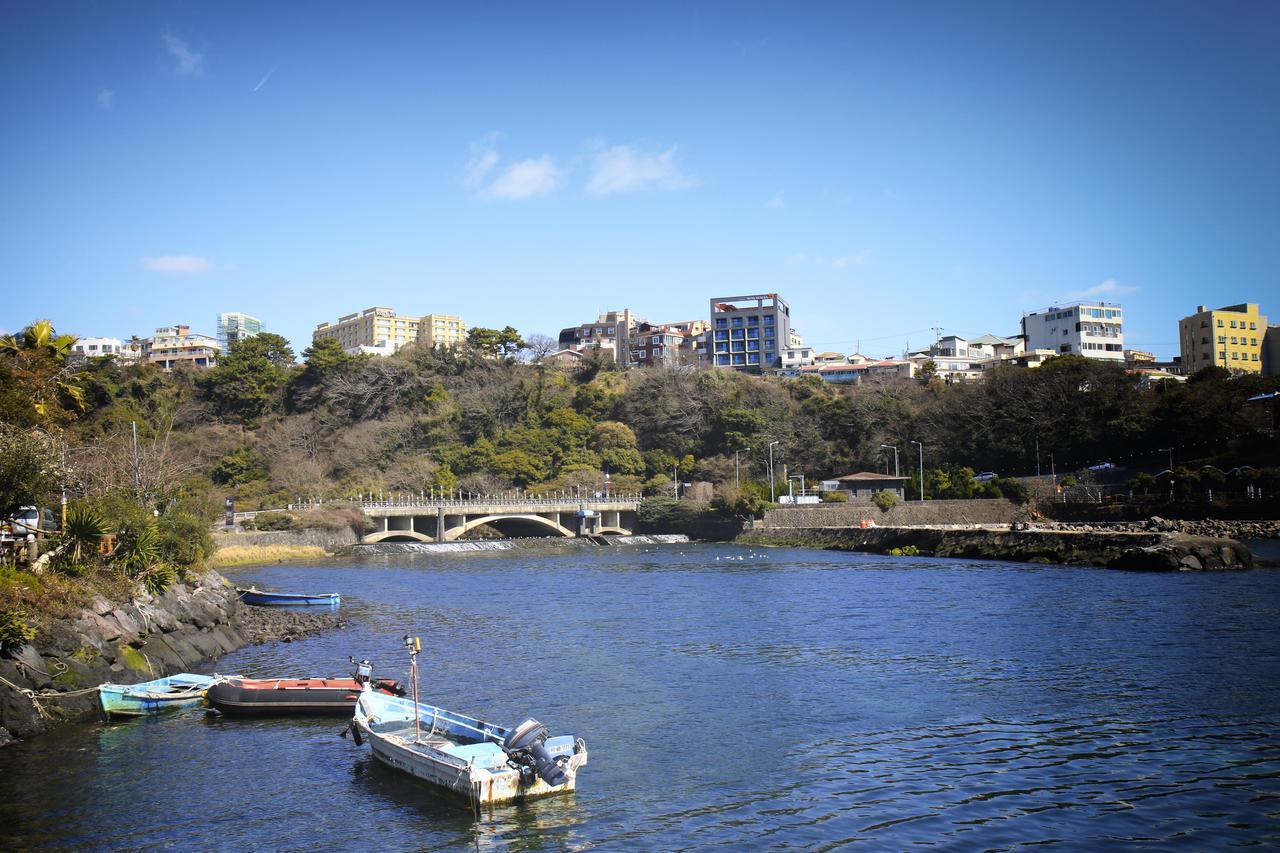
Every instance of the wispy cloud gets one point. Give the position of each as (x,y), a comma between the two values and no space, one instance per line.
(106,99)
(855,259)
(526,179)
(484,156)
(623,168)
(179,264)
(189,63)
(1110,287)
(264,80)
(778,202)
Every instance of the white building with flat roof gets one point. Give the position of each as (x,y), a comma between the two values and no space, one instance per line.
(1090,329)
(749,332)
(236,326)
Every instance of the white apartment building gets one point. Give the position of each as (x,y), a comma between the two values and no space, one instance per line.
(125,352)
(1090,329)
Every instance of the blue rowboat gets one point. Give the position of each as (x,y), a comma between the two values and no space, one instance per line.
(155,697)
(253,595)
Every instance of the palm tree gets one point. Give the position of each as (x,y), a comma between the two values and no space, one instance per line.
(38,366)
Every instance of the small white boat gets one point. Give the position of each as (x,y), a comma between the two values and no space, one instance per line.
(155,697)
(481,761)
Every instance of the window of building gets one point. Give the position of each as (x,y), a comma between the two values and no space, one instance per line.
(1233,339)
(722,323)
(1253,324)
(1065,348)
(722,359)
(753,358)
(1255,356)
(753,320)
(1222,339)
(737,322)
(1235,356)
(753,333)
(768,319)
(1219,324)
(1233,324)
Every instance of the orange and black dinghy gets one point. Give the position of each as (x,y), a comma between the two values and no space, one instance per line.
(269,697)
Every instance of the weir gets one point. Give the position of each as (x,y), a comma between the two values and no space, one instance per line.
(448,520)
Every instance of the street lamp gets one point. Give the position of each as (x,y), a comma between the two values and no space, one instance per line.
(895,457)
(1168,450)
(773,497)
(736,470)
(921,446)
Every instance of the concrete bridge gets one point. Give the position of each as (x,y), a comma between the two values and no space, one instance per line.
(446,520)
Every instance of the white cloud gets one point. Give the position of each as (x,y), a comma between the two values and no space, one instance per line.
(856,259)
(182,264)
(106,99)
(778,202)
(622,168)
(484,156)
(1110,287)
(190,63)
(528,178)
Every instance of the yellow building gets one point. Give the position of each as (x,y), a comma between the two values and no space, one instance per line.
(375,330)
(436,330)
(1229,337)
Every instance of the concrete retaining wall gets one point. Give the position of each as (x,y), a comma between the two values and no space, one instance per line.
(329,540)
(987,511)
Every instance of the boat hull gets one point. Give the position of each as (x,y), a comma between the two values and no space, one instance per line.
(287,599)
(154,697)
(286,697)
(455,753)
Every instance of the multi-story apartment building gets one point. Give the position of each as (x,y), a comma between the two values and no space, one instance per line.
(175,345)
(377,330)
(1271,352)
(441,330)
(234,326)
(125,352)
(749,332)
(1228,337)
(654,345)
(1090,329)
(610,333)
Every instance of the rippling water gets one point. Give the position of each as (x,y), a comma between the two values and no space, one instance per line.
(735,697)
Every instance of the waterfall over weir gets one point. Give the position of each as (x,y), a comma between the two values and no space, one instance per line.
(509,544)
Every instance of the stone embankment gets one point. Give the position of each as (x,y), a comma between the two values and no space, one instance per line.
(1204,527)
(53,679)
(1152,551)
(237,547)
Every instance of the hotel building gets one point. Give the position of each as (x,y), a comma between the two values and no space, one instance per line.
(441,330)
(1230,337)
(380,331)
(175,345)
(749,332)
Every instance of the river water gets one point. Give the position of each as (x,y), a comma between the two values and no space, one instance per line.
(730,696)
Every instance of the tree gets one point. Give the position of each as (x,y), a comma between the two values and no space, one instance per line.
(538,347)
(29,468)
(248,377)
(37,385)
(492,343)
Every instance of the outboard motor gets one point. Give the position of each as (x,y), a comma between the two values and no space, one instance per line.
(526,747)
(363,671)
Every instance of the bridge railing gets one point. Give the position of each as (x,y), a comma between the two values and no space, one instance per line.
(427,502)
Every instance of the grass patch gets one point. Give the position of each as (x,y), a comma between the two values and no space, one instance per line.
(243,555)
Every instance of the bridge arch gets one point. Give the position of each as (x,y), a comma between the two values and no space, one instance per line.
(396,536)
(457,532)
(620,531)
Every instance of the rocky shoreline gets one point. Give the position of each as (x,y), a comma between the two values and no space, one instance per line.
(53,680)
(1207,527)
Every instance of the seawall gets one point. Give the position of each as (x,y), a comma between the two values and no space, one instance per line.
(1141,551)
(269,546)
(909,514)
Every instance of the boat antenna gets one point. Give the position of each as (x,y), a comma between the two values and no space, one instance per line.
(414,645)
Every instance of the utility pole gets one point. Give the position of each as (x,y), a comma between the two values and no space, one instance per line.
(773,497)
(736,470)
(137,477)
(895,457)
(1037,456)
(1168,450)
(921,446)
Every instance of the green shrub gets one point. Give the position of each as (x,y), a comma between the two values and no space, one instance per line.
(273,521)
(183,539)
(904,551)
(1013,490)
(85,529)
(835,496)
(886,500)
(14,630)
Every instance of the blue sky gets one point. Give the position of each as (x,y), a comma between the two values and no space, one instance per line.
(884,167)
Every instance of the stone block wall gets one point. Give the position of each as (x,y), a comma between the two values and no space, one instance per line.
(910,514)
